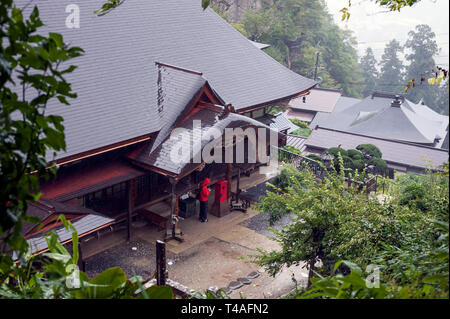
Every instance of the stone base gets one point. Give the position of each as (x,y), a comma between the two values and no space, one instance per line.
(220,209)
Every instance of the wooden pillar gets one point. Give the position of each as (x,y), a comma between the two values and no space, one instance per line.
(237,184)
(230,180)
(172,230)
(131,193)
(161,265)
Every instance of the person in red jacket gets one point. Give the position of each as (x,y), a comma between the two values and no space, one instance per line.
(204,194)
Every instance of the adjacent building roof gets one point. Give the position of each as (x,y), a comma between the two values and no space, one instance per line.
(395,152)
(88,222)
(84,226)
(379,116)
(45,208)
(318,100)
(279,122)
(116,79)
(296,141)
(343,103)
(304,116)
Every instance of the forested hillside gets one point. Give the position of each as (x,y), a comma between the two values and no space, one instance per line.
(298,31)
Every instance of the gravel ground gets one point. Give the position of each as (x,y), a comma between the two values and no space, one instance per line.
(141,261)
(260,224)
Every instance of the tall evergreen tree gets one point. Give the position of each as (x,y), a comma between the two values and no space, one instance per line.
(392,77)
(422,48)
(369,68)
(296,31)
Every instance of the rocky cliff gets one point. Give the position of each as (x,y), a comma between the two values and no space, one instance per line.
(236,8)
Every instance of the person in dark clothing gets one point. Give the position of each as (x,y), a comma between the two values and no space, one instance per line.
(204,194)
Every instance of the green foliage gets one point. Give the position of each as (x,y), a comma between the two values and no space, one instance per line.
(32,71)
(314,157)
(33,67)
(291,149)
(333,222)
(392,5)
(392,75)
(61,279)
(288,152)
(304,129)
(299,123)
(410,247)
(369,150)
(304,132)
(423,47)
(335,150)
(282,182)
(369,68)
(108,6)
(296,31)
(321,229)
(339,286)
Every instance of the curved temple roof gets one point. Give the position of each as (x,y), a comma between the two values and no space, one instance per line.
(377,116)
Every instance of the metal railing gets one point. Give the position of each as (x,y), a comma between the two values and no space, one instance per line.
(301,162)
(320,171)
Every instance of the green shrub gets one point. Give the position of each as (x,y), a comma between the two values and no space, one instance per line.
(314,157)
(414,194)
(370,150)
(355,155)
(300,123)
(335,150)
(304,132)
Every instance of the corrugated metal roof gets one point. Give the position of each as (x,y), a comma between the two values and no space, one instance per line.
(82,226)
(116,79)
(393,152)
(296,141)
(45,208)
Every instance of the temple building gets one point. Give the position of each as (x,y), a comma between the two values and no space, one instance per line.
(149,69)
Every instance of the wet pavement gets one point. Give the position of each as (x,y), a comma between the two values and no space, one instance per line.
(137,257)
(214,254)
(260,224)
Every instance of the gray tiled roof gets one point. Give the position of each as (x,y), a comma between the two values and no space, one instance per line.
(343,103)
(161,156)
(393,152)
(177,89)
(116,79)
(374,116)
(318,100)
